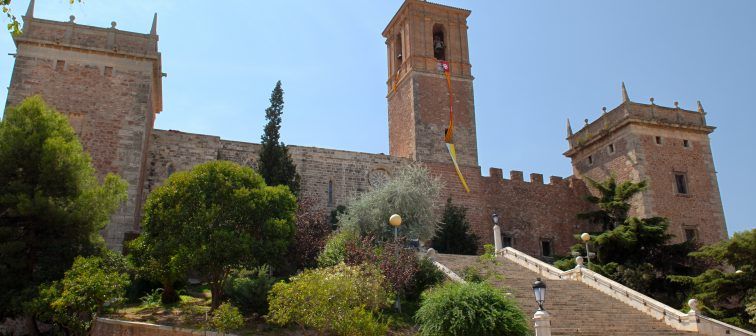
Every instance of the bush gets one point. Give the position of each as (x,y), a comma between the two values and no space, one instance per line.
(226,318)
(91,287)
(427,276)
(472,274)
(341,299)
(248,289)
(471,309)
(335,248)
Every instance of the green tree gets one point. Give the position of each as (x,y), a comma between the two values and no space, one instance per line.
(218,217)
(453,235)
(51,203)
(92,285)
(613,201)
(275,164)
(727,289)
(411,193)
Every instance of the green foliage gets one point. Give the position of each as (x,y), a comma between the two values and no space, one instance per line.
(633,243)
(613,201)
(724,292)
(14,26)
(411,193)
(227,318)
(152,299)
(248,289)
(275,164)
(87,289)
(453,235)
(334,251)
(51,203)
(427,276)
(471,309)
(312,231)
(342,299)
(565,264)
(489,255)
(215,218)
(472,274)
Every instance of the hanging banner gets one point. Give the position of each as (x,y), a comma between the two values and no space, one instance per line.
(449,134)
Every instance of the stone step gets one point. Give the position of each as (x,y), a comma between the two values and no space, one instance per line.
(575,308)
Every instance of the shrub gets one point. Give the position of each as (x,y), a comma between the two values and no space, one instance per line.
(226,318)
(472,274)
(152,299)
(312,230)
(335,248)
(88,289)
(471,309)
(453,235)
(340,299)
(427,276)
(248,289)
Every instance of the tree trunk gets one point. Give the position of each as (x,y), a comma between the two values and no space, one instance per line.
(31,325)
(216,288)
(169,293)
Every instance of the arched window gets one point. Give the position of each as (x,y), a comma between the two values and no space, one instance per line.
(439,43)
(398,51)
(330,193)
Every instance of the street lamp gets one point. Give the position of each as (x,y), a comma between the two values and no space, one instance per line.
(588,254)
(395,220)
(497,232)
(539,290)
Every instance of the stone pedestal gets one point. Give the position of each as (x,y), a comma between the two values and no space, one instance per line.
(542,321)
(497,238)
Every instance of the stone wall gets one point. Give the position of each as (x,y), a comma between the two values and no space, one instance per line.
(110,327)
(107,82)
(330,177)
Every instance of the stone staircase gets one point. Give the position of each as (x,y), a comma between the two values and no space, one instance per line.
(575,308)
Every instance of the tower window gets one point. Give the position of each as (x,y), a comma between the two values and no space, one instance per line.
(658,140)
(690,234)
(330,193)
(545,247)
(108,71)
(60,65)
(686,143)
(611,148)
(398,48)
(439,43)
(590,159)
(682,183)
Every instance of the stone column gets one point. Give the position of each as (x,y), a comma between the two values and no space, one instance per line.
(497,238)
(542,321)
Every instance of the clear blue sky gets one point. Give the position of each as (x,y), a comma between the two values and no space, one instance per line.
(536,63)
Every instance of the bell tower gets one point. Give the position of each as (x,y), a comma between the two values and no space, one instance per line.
(420,36)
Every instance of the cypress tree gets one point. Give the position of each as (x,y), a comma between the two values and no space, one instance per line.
(453,236)
(275,164)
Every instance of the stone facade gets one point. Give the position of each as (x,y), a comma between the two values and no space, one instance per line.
(108,82)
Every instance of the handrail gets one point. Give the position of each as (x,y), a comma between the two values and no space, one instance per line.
(671,316)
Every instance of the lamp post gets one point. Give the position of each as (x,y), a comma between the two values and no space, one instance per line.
(497,232)
(395,220)
(585,237)
(541,318)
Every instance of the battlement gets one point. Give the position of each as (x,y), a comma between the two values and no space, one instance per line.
(72,35)
(632,112)
(518,176)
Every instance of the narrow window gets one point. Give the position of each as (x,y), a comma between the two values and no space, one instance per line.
(330,193)
(546,248)
(686,143)
(60,65)
(439,43)
(169,169)
(398,46)
(108,71)
(611,148)
(682,183)
(590,159)
(690,234)
(658,140)
(506,241)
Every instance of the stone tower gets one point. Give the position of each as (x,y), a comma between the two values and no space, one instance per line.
(667,147)
(419,35)
(108,83)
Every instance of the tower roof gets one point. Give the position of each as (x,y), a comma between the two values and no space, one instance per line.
(426,6)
